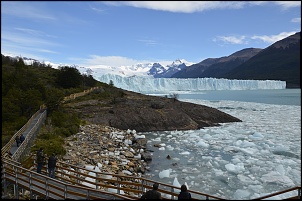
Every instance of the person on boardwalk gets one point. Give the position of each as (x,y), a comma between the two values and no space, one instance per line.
(40,160)
(152,194)
(184,194)
(18,141)
(22,138)
(52,160)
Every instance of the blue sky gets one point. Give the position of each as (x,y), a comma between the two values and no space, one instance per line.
(116,33)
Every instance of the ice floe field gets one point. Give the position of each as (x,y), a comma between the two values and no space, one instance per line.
(243,160)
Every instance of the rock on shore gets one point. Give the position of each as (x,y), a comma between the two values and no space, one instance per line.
(111,150)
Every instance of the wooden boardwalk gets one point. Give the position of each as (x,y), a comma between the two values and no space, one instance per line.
(14,147)
(49,188)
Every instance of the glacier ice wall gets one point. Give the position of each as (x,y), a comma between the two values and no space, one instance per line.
(149,84)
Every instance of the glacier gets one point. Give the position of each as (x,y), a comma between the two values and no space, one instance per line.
(150,84)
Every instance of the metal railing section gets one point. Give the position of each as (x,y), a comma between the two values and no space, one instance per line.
(6,148)
(47,187)
(24,148)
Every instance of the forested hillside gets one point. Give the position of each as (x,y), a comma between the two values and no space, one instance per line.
(26,87)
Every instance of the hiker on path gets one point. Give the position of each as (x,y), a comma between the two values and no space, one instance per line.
(18,141)
(22,138)
(40,159)
(52,160)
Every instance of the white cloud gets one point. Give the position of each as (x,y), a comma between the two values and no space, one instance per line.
(115,61)
(34,32)
(28,45)
(94,8)
(199,6)
(272,38)
(24,40)
(179,6)
(46,51)
(288,4)
(24,10)
(95,61)
(149,42)
(231,39)
(298,19)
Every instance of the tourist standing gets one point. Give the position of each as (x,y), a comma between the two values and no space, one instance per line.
(152,194)
(52,160)
(184,194)
(22,138)
(40,159)
(18,141)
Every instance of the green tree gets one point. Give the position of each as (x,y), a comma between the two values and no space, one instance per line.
(69,77)
(89,81)
(53,98)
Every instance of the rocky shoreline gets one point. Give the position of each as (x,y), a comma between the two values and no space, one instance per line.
(112,150)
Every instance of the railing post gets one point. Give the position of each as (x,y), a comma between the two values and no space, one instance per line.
(118,185)
(16,184)
(78,175)
(96,180)
(3,179)
(46,189)
(30,186)
(172,197)
(87,195)
(65,191)
(299,193)
(143,187)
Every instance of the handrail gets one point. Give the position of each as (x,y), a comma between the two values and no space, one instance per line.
(281,192)
(6,148)
(50,189)
(130,185)
(29,138)
(75,95)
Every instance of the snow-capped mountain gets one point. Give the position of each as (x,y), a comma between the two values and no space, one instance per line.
(156,70)
(159,71)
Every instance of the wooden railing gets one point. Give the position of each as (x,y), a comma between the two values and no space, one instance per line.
(297,188)
(24,148)
(6,148)
(46,187)
(128,187)
(132,187)
(75,95)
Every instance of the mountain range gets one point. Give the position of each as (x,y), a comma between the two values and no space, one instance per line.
(279,61)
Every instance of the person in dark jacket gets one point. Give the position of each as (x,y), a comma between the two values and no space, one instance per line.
(184,194)
(40,160)
(152,194)
(18,141)
(52,160)
(22,138)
